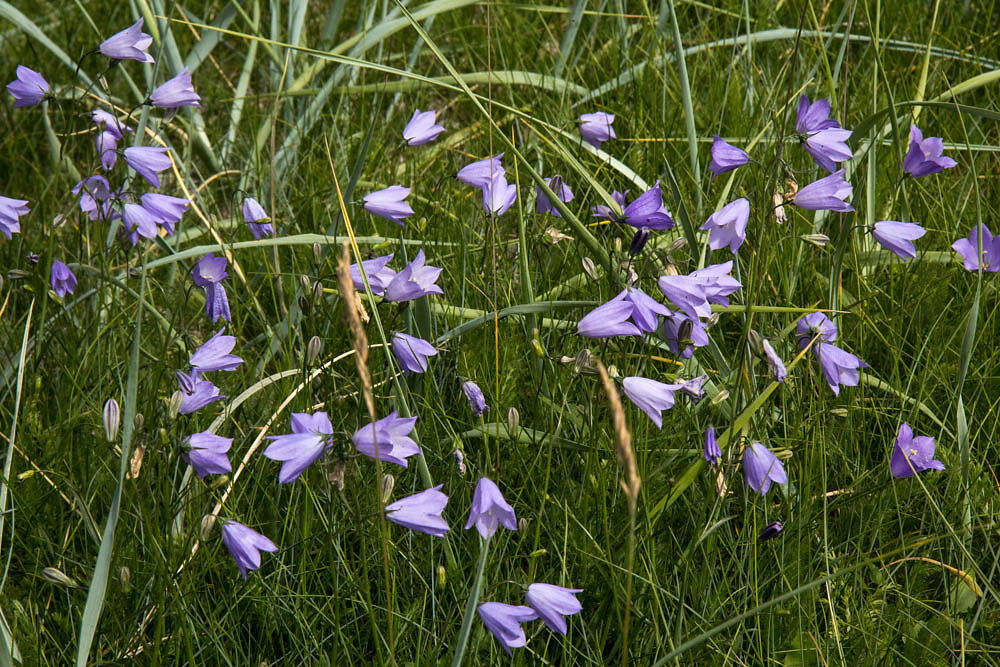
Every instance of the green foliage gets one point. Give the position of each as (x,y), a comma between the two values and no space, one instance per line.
(868,569)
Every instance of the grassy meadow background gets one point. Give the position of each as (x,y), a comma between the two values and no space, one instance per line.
(303,106)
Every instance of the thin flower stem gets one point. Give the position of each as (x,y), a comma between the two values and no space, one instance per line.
(470,606)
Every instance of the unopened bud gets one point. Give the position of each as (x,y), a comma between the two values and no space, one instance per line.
(207,524)
(317,252)
(313,349)
(304,305)
(670,270)
(583,360)
(589,268)
(185,382)
(618,244)
(460,462)
(112,419)
(317,292)
(32,258)
(386,487)
(677,245)
(442,577)
(756,343)
(58,577)
(138,421)
(522,524)
(712,320)
(125,578)
(306,283)
(513,420)
(613,371)
(176,399)
(778,202)
(639,241)
(818,240)
(770,531)
(135,465)
(720,397)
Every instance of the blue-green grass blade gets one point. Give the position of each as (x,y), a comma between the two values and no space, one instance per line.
(99,580)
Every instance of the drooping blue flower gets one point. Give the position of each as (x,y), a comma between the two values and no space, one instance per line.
(10,212)
(812,324)
(165,209)
(924,156)
(611,318)
(107,122)
(477,402)
(197,392)
(129,44)
(92,191)
(421,512)
(61,279)
(726,157)
(504,622)
(480,173)
(713,453)
(390,437)
(414,281)
(683,334)
(839,367)
(209,273)
(596,128)
(828,193)
(422,128)
(813,117)
(489,509)
(648,211)
(207,453)
(214,354)
(29,88)
(253,213)
(602,212)
(650,396)
(147,161)
(912,454)
(379,275)
(728,225)
(244,545)
(898,237)
(309,439)
(770,531)
(176,92)
(106,144)
(559,189)
(412,352)
(694,388)
(388,203)
(139,222)
(761,467)
(967,249)
(829,146)
(498,195)
(553,603)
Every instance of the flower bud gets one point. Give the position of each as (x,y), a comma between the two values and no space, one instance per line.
(58,577)
(32,258)
(778,202)
(317,252)
(756,343)
(677,245)
(112,419)
(138,421)
(639,241)
(313,349)
(174,407)
(589,268)
(304,305)
(125,577)
(388,483)
(17,274)
(207,524)
(522,524)
(317,292)
(818,240)
(442,576)
(720,397)
(460,461)
(618,244)
(306,283)
(513,420)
